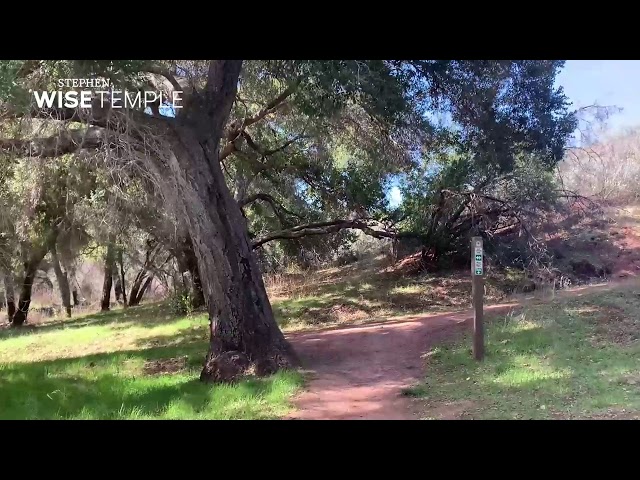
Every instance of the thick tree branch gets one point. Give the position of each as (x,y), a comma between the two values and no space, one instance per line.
(323,228)
(257,165)
(98,116)
(220,89)
(272,106)
(28,67)
(228,149)
(166,73)
(253,145)
(65,142)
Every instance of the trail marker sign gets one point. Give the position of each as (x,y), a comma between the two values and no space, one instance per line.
(477,277)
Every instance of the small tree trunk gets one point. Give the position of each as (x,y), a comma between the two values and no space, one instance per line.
(33,256)
(188,262)
(122,282)
(63,281)
(71,276)
(134,294)
(117,287)
(9,295)
(108,277)
(192,266)
(135,288)
(198,294)
(135,300)
(30,269)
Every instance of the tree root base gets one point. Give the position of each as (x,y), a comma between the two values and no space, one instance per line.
(230,366)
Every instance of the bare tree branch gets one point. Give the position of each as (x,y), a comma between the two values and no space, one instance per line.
(275,205)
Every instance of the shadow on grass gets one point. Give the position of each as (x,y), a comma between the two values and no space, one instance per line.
(157,377)
(196,335)
(114,386)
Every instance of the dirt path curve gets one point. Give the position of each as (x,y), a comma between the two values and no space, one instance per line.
(359,372)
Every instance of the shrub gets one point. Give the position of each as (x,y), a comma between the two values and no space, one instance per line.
(181,302)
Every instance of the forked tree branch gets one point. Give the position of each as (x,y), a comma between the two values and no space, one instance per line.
(238,127)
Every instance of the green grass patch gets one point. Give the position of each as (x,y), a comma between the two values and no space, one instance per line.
(140,363)
(576,358)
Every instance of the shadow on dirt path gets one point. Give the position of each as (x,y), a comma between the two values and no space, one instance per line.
(359,372)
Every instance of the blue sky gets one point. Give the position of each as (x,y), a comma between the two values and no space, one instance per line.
(606,82)
(585,82)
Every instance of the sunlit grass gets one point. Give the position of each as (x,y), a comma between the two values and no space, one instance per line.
(408,289)
(561,360)
(110,366)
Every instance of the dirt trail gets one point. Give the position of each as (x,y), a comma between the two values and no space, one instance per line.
(359,372)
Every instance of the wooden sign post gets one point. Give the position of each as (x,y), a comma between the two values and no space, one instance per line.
(477,277)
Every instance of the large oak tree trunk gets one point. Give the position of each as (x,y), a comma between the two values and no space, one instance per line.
(9,295)
(109,261)
(243,329)
(63,281)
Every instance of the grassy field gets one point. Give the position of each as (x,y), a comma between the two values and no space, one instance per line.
(141,363)
(573,358)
